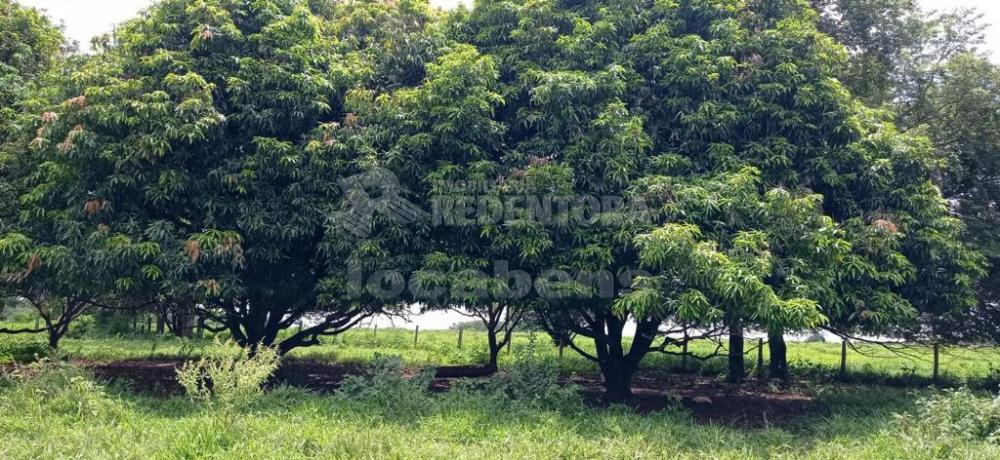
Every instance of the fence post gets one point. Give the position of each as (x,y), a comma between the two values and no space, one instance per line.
(843,358)
(760,356)
(416,333)
(460,329)
(684,351)
(937,360)
(36,322)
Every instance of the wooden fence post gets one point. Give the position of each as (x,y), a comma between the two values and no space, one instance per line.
(684,350)
(416,333)
(843,358)
(760,356)
(460,330)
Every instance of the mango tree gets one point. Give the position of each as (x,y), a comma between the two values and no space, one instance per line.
(756,167)
(203,133)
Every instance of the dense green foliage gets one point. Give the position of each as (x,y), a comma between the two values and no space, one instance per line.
(273,172)
(29,47)
(963,118)
(29,44)
(220,155)
(193,161)
(926,67)
(895,45)
(774,199)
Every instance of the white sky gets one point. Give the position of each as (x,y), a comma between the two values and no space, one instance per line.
(86,18)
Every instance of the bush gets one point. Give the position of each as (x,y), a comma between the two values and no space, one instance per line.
(955,415)
(533,377)
(82,327)
(228,374)
(23,348)
(56,388)
(387,386)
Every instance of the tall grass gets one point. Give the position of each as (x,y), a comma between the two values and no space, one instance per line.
(57,411)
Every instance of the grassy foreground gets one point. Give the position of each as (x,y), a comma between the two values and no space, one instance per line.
(52,410)
(60,412)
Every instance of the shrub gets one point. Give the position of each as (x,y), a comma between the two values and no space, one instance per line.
(23,348)
(533,377)
(82,326)
(957,414)
(387,386)
(55,388)
(228,374)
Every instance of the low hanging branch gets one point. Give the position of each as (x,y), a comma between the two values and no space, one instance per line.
(896,348)
(711,334)
(57,320)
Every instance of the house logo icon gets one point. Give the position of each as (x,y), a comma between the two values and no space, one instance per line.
(371,192)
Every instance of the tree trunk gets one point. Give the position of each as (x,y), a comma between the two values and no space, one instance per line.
(181,324)
(494,345)
(778,351)
(737,367)
(618,366)
(617,383)
(605,328)
(161,324)
(499,326)
(54,336)
(493,340)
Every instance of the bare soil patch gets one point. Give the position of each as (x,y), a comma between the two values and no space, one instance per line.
(752,404)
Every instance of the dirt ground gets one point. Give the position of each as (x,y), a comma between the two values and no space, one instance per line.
(752,404)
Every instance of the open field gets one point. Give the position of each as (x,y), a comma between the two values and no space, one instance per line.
(866,363)
(61,412)
(92,409)
(78,419)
